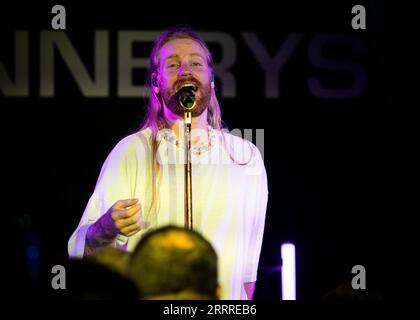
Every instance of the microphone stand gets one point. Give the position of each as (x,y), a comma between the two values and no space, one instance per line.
(186,97)
(188,172)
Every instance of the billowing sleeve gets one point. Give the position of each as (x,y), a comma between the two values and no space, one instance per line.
(259,204)
(117,181)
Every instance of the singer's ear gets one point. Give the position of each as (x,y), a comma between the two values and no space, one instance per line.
(155,83)
(212,80)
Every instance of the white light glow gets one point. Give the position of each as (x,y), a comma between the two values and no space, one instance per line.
(288,272)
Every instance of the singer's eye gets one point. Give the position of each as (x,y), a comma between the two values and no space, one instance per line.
(172,66)
(196,64)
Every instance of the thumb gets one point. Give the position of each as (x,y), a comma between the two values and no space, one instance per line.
(126,203)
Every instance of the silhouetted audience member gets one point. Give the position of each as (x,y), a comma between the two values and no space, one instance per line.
(345,293)
(87,280)
(114,258)
(174,263)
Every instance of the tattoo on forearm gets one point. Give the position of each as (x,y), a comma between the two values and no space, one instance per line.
(97,236)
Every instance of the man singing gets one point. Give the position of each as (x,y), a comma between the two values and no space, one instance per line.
(141,184)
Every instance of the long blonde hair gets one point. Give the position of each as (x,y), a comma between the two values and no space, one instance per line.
(154,118)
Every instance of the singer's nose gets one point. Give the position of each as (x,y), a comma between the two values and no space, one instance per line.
(184,70)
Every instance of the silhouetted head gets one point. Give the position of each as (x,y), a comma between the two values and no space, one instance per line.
(172,260)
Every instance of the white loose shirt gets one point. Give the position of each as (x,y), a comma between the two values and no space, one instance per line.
(229,200)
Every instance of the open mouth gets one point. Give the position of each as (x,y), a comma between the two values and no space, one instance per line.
(193,86)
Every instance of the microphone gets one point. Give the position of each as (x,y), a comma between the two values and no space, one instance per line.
(186,96)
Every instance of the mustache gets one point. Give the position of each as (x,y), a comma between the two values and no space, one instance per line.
(179,83)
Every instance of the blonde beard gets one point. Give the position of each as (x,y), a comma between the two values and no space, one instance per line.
(201,105)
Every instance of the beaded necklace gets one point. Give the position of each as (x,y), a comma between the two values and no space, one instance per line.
(169,136)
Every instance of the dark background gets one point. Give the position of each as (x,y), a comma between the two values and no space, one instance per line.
(336,173)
